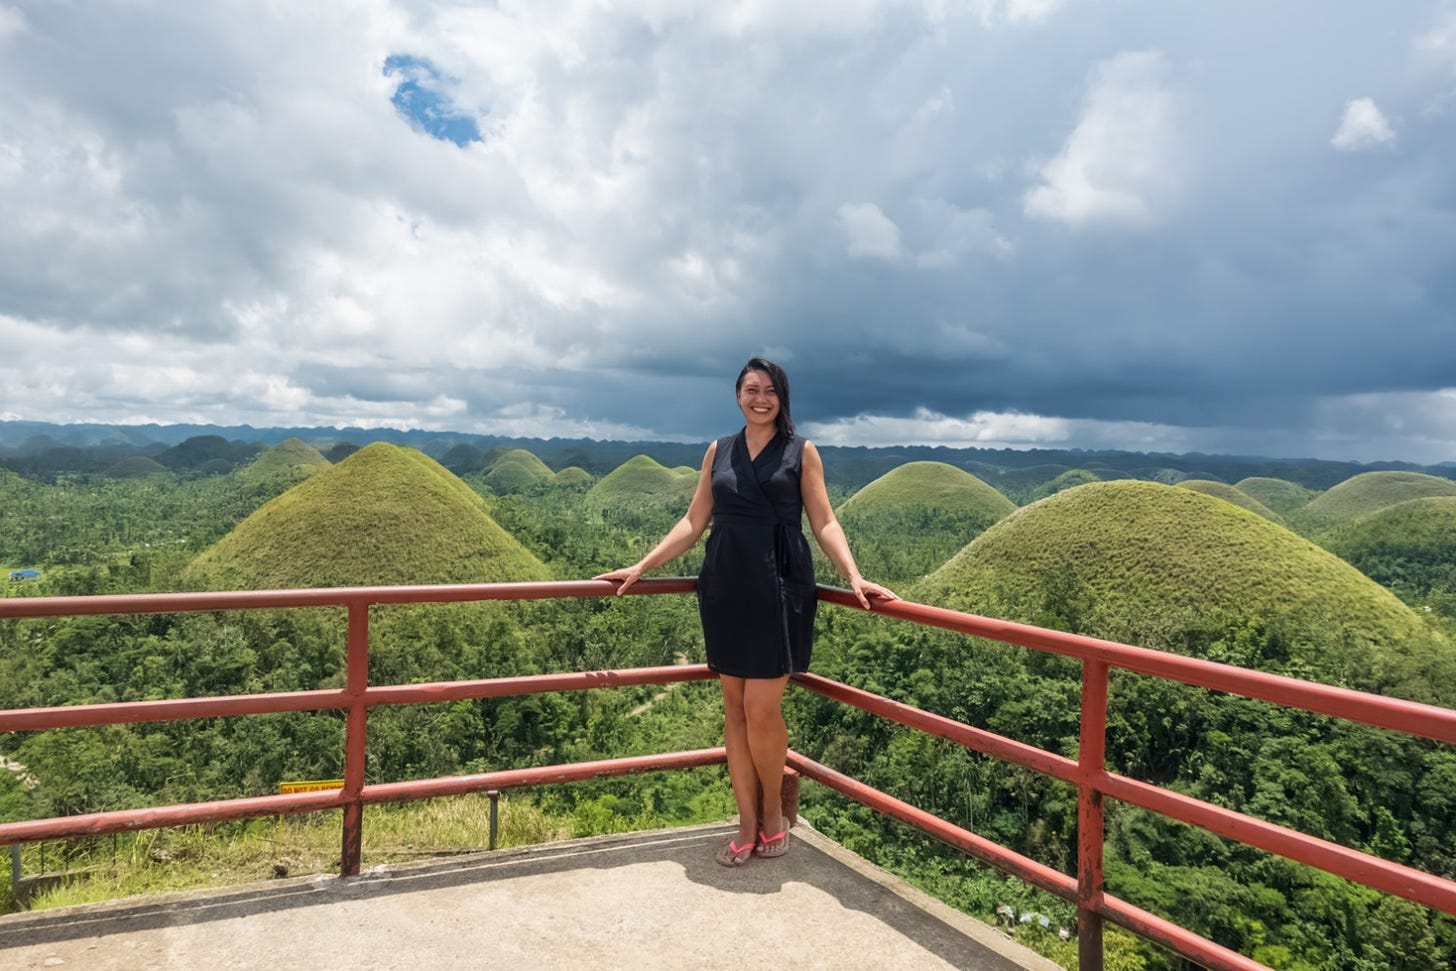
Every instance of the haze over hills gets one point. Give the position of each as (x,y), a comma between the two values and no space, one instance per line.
(41,447)
(385,515)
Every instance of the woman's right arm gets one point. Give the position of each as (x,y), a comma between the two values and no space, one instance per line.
(681,537)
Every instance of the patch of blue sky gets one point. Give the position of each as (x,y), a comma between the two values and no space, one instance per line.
(419,100)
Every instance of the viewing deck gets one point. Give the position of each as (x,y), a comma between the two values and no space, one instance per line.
(635,900)
(653,899)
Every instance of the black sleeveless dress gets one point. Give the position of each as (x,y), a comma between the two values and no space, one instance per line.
(756,592)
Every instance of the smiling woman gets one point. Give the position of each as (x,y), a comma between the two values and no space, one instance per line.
(756,591)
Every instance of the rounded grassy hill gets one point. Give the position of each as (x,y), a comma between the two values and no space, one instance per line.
(516,470)
(384,515)
(1067,480)
(289,459)
(914,517)
(1409,547)
(573,475)
(1280,495)
(1228,493)
(1369,491)
(1170,568)
(643,479)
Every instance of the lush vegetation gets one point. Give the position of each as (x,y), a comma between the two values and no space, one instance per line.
(1134,560)
(1409,547)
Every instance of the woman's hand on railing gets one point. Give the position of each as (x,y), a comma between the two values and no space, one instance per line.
(864,589)
(624,577)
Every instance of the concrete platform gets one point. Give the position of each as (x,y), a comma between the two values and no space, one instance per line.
(641,900)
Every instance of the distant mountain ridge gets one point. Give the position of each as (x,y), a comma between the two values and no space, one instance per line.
(35,448)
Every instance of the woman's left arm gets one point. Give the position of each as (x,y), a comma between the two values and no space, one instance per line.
(827,530)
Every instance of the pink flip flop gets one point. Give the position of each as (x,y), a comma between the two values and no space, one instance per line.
(762,847)
(736,855)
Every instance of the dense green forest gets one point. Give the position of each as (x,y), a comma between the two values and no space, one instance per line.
(1342,580)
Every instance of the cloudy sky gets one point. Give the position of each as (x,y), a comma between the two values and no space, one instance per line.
(1140,224)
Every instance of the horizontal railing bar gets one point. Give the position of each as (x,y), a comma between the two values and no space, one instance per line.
(1409,717)
(403,694)
(1024,868)
(1205,953)
(128,820)
(543,775)
(156,817)
(166,603)
(172,709)
(1171,936)
(988,743)
(1372,871)
(132,712)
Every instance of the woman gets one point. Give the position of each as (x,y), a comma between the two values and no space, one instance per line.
(756,592)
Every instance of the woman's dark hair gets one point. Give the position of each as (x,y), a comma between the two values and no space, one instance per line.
(780,382)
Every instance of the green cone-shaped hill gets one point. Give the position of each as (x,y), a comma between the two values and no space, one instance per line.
(1409,546)
(914,517)
(1170,568)
(384,515)
(1228,493)
(1280,495)
(643,479)
(1370,491)
(516,470)
(573,475)
(289,459)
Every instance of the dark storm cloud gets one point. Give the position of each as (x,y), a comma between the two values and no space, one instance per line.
(1002,221)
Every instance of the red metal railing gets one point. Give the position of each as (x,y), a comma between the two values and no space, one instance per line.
(1088,772)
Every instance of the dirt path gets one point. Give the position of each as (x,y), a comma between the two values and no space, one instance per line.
(679,659)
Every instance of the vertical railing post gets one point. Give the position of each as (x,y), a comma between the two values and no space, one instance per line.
(15,872)
(1091,773)
(494,795)
(356,716)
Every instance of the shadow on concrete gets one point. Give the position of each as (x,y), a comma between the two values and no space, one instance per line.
(813,860)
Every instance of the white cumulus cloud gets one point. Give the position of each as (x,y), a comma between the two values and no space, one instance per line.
(1363,126)
(1118,164)
(868,231)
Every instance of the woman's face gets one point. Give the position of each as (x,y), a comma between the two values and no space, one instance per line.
(758,399)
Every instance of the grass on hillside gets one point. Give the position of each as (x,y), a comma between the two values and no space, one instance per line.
(516,470)
(1280,495)
(915,517)
(385,515)
(249,851)
(1409,547)
(1155,565)
(228,854)
(1369,491)
(1228,493)
(643,478)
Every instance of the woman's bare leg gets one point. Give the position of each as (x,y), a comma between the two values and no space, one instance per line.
(742,769)
(768,741)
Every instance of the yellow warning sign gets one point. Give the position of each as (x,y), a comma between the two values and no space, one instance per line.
(313,785)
